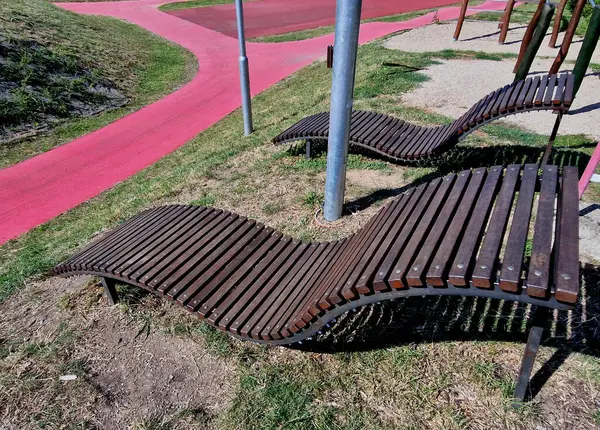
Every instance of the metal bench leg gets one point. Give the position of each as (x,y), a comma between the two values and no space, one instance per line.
(308,149)
(110,290)
(552,138)
(531,349)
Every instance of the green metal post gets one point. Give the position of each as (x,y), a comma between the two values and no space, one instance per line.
(536,41)
(587,48)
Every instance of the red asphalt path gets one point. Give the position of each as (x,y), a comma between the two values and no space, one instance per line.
(41,188)
(266,17)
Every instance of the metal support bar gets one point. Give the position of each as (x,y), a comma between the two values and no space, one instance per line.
(110,290)
(308,149)
(347,23)
(533,343)
(535,43)
(588,174)
(244,74)
(552,139)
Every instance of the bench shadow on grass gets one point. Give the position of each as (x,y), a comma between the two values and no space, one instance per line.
(447,318)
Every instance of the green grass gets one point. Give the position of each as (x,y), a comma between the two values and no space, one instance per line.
(321,31)
(143,67)
(192,4)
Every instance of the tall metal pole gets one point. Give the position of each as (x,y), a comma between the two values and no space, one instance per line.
(347,23)
(244,75)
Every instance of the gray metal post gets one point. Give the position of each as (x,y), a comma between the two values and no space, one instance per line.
(347,23)
(244,75)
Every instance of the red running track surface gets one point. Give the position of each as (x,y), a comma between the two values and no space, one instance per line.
(267,17)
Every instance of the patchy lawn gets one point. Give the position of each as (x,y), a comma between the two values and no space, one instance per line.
(60,67)
(415,363)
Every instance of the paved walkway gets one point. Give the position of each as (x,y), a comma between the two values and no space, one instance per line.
(267,17)
(41,188)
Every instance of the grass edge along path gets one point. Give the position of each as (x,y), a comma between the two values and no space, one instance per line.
(167,68)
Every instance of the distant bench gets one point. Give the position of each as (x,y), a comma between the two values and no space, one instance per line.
(401,140)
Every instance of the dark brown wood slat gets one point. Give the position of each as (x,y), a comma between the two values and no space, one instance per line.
(333,295)
(486,111)
(106,238)
(440,142)
(360,122)
(371,131)
(236,270)
(281,327)
(463,262)
(510,274)
(358,129)
(322,130)
(314,124)
(213,226)
(101,247)
(445,253)
(560,88)
(567,242)
(300,127)
(503,108)
(487,260)
(494,108)
(529,100)
(570,87)
(550,91)
(365,129)
(384,140)
(539,275)
(437,136)
(377,243)
(249,315)
(421,142)
(205,221)
(512,102)
(203,257)
(406,139)
(194,285)
(103,261)
(394,139)
(539,98)
(523,96)
(246,300)
(176,236)
(381,131)
(420,236)
(411,210)
(332,286)
(471,115)
(288,294)
(416,278)
(242,286)
(364,283)
(143,252)
(333,259)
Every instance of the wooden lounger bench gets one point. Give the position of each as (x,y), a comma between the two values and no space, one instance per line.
(452,236)
(401,140)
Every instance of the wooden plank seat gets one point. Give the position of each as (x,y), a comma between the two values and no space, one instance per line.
(463,234)
(401,140)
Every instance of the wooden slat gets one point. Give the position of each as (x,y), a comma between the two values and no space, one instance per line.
(539,267)
(510,274)
(529,100)
(461,267)
(550,91)
(520,104)
(487,260)
(567,243)
(568,98)
(539,98)
(419,237)
(416,278)
(560,89)
(445,253)
(512,102)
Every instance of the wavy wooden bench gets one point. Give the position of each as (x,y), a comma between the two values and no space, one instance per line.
(452,236)
(401,140)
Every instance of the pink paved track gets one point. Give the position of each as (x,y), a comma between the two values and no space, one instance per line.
(41,188)
(276,16)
